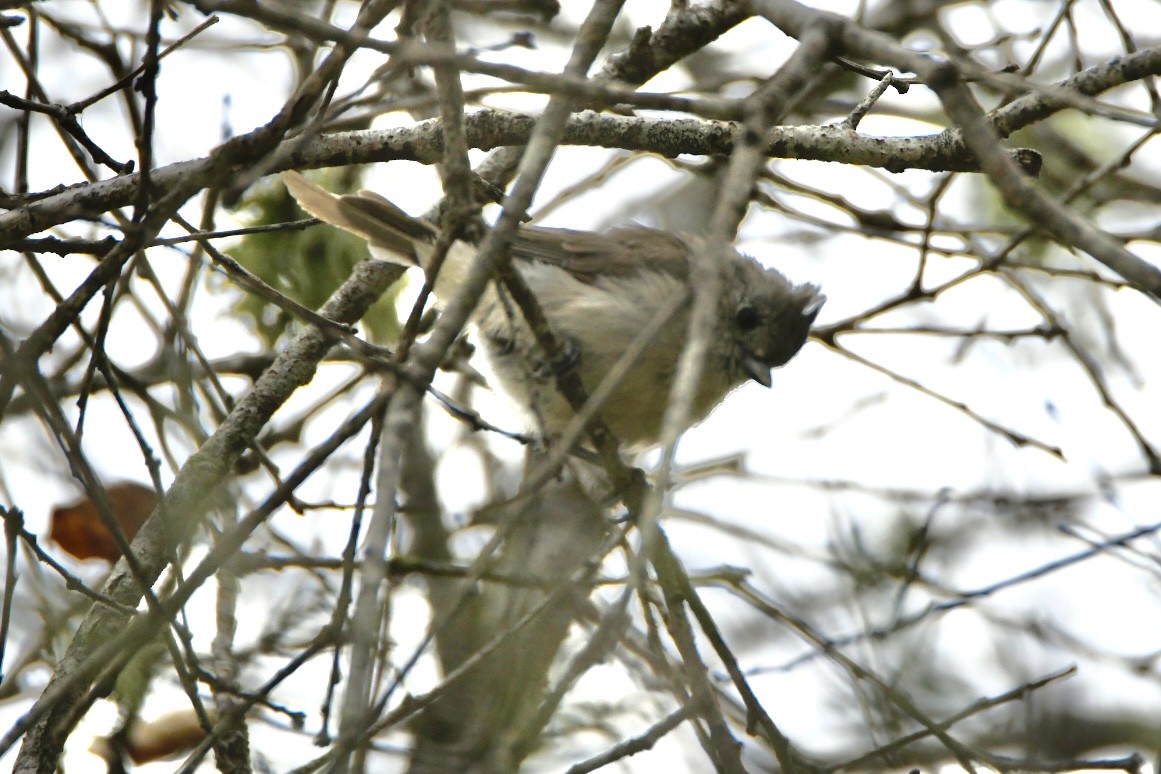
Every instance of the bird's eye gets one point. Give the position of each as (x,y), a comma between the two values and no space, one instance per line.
(748,318)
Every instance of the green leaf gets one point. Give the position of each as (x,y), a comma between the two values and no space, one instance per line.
(306,265)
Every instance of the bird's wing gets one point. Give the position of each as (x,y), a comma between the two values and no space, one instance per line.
(589,255)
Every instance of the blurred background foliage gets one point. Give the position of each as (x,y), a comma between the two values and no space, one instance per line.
(307,265)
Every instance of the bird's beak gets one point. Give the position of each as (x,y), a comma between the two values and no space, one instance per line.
(757,370)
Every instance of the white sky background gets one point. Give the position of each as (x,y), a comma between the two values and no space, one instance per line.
(825,419)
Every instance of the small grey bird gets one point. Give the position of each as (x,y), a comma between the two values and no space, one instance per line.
(598,291)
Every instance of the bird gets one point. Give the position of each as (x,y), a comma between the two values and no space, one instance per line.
(598,291)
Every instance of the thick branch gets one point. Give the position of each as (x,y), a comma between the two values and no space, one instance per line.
(490,129)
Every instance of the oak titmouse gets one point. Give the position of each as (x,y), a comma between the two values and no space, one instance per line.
(598,291)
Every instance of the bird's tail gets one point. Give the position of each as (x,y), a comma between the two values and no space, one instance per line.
(392,234)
